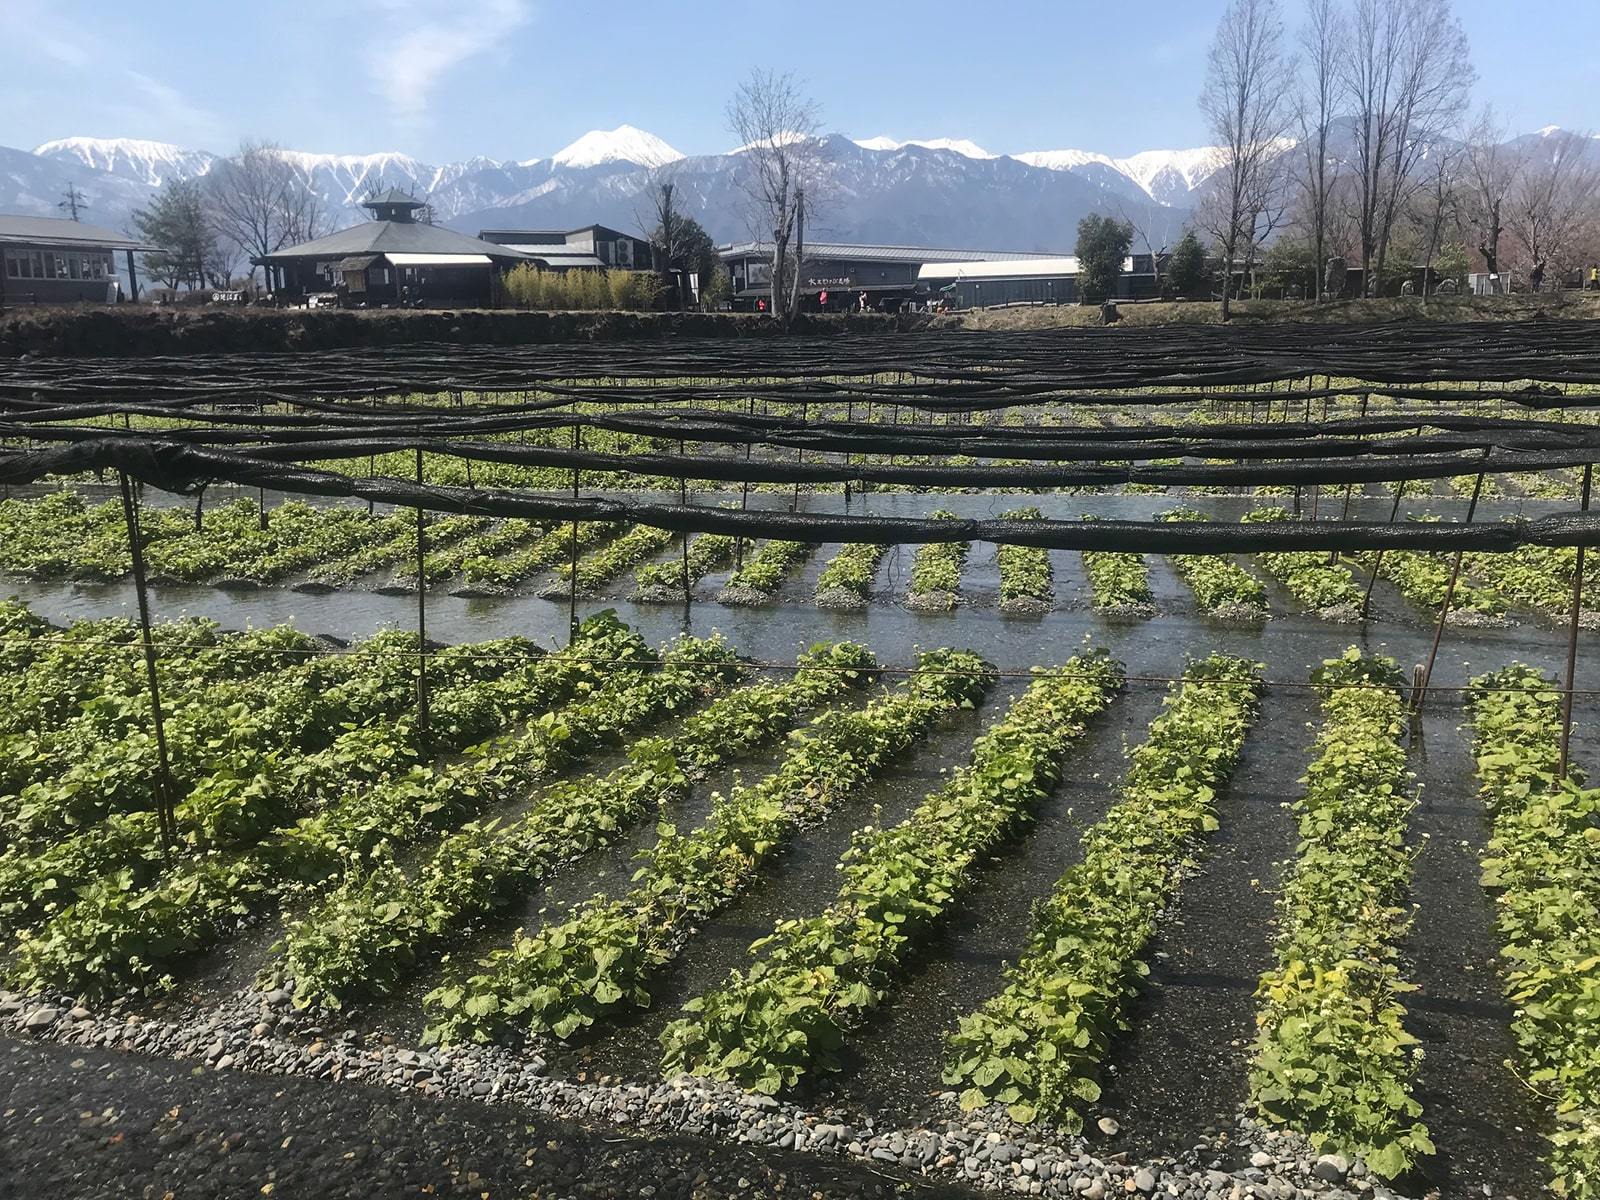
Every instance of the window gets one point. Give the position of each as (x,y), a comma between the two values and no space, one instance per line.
(13,267)
(36,262)
(75,266)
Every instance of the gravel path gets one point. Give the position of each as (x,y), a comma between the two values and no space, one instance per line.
(78,1122)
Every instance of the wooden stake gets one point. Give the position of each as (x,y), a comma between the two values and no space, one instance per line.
(1377,555)
(1572,639)
(572,581)
(1420,693)
(166,818)
(422,616)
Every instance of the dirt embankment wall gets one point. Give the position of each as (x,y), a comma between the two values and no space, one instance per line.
(143,330)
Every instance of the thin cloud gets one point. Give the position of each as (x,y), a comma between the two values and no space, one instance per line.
(431,37)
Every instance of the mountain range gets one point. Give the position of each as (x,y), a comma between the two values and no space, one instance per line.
(938,192)
(946,192)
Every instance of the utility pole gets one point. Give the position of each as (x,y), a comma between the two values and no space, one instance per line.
(72,200)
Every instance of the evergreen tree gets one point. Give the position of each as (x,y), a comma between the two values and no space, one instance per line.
(1186,268)
(1103,244)
(179,225)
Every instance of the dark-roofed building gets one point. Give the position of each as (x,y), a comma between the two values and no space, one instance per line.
(50,260)
(392,259)
(592,247)
(835,275)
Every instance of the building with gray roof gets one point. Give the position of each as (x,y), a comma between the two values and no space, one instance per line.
(392,259)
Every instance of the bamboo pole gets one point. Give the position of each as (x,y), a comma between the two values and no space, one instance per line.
(166,818)
(1419,695)
(422,616)
(1377,555)
(1572,639)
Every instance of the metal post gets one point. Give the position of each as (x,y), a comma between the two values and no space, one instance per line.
(166,819)
(1377,555)
(1572,639)
(422,616)
(1421,692)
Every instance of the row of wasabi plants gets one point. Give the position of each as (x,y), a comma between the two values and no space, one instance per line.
(787,1015)
(674,579)
(1037,1047)
(397,546)
(1310,576)
(113,938)
(936,572)
(1424,579)
(568,975)
(1027,583)
(1332,1059)
(1542,864)
(1119,583)
(1221,586)
(846,582)
(361,939)
(757,581)
(274,751)
(500,573)
(600,567)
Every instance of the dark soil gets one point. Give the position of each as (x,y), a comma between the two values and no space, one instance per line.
(84,1124)
(1485,1124)
(1180,1076)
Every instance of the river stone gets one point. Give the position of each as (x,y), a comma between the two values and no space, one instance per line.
(41,1018)
(1331,1168)
(1109,1126)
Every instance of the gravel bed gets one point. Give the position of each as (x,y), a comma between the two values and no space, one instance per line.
(256,1033)
(745,597)
(935,601)
(1025,606)
(86,1124)
(841,598)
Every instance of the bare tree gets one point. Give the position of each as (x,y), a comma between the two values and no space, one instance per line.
(1551,199)
(1406,76)
(1154,227)
(260,202)
(1316,108)
(666,229)
(1490,171)
(777,127)
(1436,204)
(1247,80)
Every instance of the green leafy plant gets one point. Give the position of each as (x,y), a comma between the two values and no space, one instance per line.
(1542,864)
(569,975)
(768,1025)
(364,935)
(1036,1046)
(1332,1059)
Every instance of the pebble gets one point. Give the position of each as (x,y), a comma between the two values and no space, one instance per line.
(983,1149)
(41,1018)
(1332,1168)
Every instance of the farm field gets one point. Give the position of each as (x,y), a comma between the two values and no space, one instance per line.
(984,864)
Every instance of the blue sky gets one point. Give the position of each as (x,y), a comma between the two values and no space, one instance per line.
(447,79)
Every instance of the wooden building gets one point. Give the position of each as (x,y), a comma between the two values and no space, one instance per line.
(592,247)
(50,260)
(392,259)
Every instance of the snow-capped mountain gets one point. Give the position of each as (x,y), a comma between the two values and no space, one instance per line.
(1167,176)
(625,144)
(930,191)
(153,163)
(962,146)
